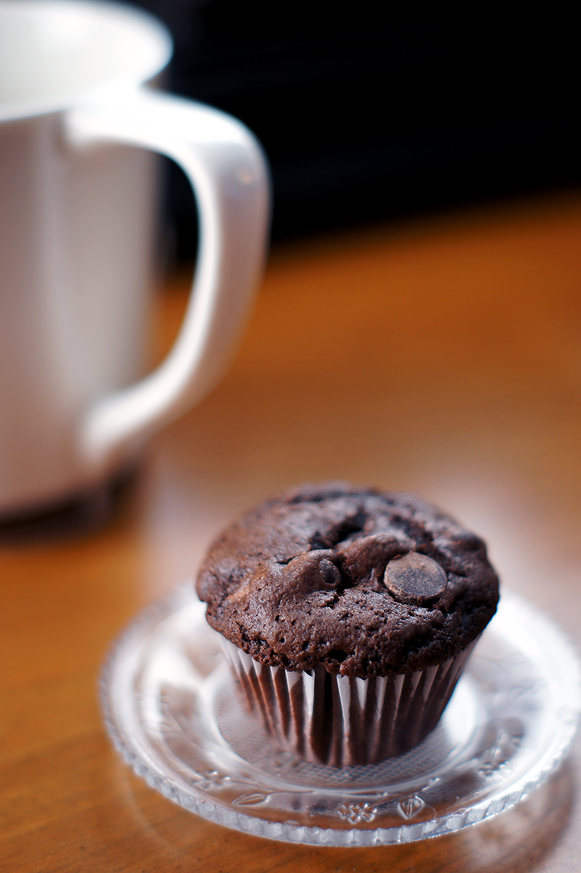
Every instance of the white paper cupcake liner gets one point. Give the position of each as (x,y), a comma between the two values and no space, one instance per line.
(344,721)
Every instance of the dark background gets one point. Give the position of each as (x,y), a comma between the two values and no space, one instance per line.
(371,113)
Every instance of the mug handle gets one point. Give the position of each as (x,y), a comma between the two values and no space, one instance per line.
(228,173)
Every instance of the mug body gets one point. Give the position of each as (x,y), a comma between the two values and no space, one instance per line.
(76,238)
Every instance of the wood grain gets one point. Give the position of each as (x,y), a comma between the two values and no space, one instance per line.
(441,356)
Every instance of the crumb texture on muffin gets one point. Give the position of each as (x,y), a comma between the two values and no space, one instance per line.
(356,580)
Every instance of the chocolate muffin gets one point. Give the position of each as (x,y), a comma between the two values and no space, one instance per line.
(348,614)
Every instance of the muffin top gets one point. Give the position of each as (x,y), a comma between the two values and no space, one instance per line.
(360,581)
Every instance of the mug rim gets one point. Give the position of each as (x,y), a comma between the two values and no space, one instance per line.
(156,40)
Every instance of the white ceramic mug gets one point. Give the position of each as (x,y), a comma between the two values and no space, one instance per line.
(79,118)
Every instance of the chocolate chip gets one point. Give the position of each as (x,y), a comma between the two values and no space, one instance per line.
(414,578)
(310,572)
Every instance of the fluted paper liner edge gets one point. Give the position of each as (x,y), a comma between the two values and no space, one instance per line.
(344,721)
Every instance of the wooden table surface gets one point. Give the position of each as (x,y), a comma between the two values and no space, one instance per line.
(441,356)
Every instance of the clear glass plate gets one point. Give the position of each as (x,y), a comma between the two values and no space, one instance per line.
(173,712)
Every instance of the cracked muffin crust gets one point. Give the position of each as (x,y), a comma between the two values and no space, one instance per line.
(357,581)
